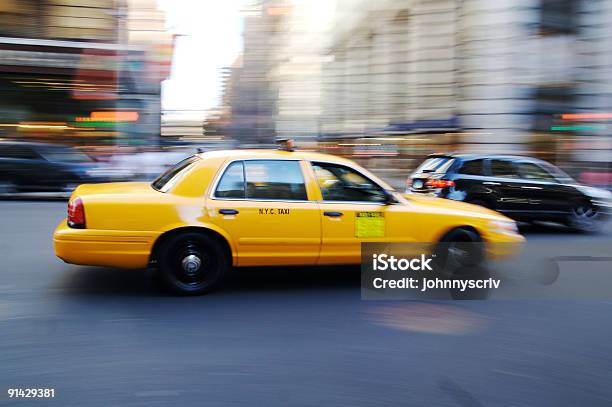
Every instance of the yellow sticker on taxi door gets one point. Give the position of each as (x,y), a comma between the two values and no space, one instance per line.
(369,224)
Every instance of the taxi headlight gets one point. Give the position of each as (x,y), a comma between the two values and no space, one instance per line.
(504,226)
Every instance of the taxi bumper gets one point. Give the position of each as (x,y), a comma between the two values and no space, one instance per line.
(500,246)
(110,248)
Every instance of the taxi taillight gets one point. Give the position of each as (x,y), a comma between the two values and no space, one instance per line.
(76,214)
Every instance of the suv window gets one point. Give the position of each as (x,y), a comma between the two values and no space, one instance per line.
(231,184)
(534,172)
(275,179)
(473,167)
(435,164)
(340,183)
(504,169)
(19,152)
(558,174)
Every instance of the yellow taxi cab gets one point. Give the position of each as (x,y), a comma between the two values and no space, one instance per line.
(241,208)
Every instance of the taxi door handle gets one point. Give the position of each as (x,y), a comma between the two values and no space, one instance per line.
(333,214)
(491,183)
(228,212)
(531,187)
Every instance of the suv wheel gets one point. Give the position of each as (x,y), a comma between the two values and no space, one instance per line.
(192,263)
(585,217)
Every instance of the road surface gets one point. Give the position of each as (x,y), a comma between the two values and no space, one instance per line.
(279,338)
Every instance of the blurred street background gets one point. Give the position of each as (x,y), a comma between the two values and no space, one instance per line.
(128,87)
(116,90)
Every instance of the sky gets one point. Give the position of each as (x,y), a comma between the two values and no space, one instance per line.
(209,38)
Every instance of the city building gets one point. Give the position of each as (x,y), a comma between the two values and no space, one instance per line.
(302,55)
(83,72)
(390,64)
(425,75)
(253,91)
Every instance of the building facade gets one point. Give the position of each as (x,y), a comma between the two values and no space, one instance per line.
(501,73)
(82,72)
(251,87)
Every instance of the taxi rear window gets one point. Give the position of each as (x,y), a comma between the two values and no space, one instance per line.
(162,183)
(263,180)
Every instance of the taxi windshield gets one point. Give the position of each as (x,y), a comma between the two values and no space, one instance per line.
(163,181)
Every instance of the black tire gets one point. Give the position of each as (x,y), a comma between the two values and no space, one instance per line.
(192,263)
(585,218)
(459,249)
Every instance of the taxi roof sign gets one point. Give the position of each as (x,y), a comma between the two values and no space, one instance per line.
(286,144)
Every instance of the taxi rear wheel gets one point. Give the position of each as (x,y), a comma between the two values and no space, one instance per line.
(192,263)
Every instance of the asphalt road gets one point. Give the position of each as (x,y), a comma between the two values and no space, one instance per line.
(279,338)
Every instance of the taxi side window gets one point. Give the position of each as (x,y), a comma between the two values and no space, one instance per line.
(231,184)
(340,183)
(275,179)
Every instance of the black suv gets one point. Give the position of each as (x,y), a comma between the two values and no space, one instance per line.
(522,188)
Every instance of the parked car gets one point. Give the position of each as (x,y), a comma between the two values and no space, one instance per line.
(28,167)
(523,188)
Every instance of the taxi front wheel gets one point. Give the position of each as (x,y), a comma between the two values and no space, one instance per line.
(459,250)
(192,263)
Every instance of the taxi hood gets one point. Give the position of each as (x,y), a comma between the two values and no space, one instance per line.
(449,204)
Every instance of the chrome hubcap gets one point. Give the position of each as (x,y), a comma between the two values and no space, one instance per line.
(191,264)
(584,217)
(584,212)
(457,252)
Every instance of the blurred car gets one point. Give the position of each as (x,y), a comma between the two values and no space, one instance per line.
(256,208)
(28,167)
(522,188)
(147,166)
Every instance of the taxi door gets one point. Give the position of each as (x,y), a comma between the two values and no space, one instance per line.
(263,205)
(354,210)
